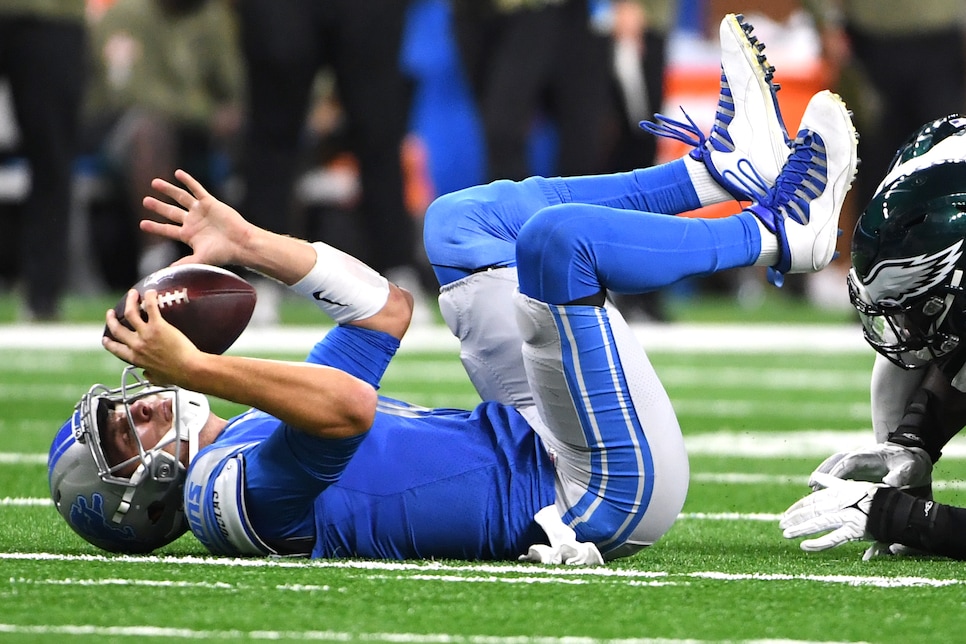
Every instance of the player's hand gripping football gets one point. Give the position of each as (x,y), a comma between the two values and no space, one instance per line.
(216,232)
(154,345)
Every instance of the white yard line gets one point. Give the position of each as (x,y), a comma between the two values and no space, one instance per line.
(716,338)
(340,636)
(480,573)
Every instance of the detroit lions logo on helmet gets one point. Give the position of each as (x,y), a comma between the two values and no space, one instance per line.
(88,517)
(896,281)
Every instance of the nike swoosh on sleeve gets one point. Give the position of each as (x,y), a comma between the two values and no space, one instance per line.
(318,295)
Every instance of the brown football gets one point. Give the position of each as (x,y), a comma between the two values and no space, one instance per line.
(210,305)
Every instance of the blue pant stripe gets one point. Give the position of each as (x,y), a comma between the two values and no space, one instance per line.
(642,453)
(576,382)
(606,414)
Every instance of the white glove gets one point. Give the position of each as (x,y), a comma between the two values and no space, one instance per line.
(842,507)
(583,554)
(895,465)
(564,547)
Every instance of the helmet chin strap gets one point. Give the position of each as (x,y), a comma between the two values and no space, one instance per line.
(954,282)
(192,411)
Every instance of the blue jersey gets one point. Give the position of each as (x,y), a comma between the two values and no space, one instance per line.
(423,483)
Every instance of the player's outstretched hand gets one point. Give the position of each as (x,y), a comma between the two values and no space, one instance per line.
(840,509)
(215,231)
(889,463)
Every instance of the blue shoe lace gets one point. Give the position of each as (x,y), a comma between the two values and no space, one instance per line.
(744,185)
(801,181)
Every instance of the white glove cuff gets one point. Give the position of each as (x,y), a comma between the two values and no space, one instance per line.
(345,288)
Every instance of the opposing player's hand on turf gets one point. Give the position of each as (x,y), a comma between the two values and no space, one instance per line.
(216,232)
(160,349)
(889,463)
(840,509)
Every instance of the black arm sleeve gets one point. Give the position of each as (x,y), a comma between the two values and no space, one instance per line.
(935,413)
(934,528)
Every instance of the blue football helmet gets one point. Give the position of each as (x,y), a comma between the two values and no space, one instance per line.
(115,512)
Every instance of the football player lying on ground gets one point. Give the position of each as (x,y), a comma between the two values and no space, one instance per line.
(907,285)
(575,454)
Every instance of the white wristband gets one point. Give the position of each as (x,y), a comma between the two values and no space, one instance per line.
(342,286)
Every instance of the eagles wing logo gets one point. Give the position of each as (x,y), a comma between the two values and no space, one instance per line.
(898,280)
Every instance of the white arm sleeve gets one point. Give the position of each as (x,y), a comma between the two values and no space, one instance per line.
(342,286)
(892,387)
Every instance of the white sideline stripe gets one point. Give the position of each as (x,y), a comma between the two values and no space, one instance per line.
(730,516)
(715,338)
(436,571)
(442,368)
(429,567)
(669,579)
(15,502)
(340,636)
(811,443)
(742,478)
(218,585)
(787,379)
(15,458)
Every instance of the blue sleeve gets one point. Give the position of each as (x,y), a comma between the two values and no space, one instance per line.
(360,352)
(477,227)
(664,189)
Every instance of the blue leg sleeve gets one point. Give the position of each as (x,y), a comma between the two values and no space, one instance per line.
(477,228)
(664,189)
(571,251)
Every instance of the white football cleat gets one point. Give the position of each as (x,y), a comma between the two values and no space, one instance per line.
(803,206)
(748,144)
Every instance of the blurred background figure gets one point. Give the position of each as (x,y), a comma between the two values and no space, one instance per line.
(42,54)
(641,29)
(285,45)
(445,127)
(898,64)
(538,61)
(903,61)
(166,93)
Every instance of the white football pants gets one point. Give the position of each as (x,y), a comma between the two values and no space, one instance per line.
(587,388)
